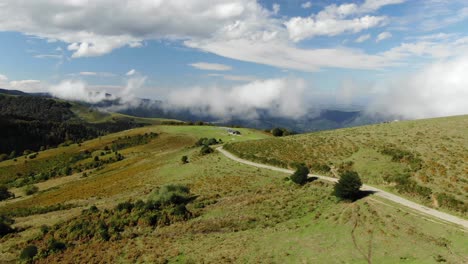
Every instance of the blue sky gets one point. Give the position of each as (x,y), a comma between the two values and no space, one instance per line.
(328,48)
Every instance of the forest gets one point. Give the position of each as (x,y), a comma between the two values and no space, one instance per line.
(31,123)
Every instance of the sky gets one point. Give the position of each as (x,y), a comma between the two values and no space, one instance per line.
(403,57)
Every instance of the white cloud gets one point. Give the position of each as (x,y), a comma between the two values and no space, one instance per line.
(439,49)
(302,28)
(77,91)
(98,74)
(211,66)
(211,26)
(29,86)
(88,73)
(282,55)
(363,38)
(338,19)
(280,97)
(306,5)
(372,5)
(437,90)
(383,36)
(276,8)
(131,72)
(3,78)
(92,32)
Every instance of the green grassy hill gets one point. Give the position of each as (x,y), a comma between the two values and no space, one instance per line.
(237,213)
(426,160)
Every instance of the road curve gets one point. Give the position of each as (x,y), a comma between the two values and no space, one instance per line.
(386,195)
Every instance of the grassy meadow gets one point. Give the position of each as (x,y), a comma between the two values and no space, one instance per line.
(241,214)
(424,160)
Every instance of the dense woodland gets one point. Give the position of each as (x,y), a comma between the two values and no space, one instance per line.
(30,123)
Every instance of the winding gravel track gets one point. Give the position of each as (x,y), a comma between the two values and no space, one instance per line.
(378,192)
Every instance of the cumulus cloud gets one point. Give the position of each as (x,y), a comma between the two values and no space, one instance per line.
(90,31)
(98,28)
(437,90)
(280,97)
(383,36)
(300,28)
(211,66)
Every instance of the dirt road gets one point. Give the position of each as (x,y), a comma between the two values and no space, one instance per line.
(378,192)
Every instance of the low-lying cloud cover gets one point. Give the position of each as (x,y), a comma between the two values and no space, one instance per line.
(440,89)
(280,97)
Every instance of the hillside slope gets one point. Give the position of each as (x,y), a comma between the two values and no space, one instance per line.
(32,123)
(426,160)
(239,214)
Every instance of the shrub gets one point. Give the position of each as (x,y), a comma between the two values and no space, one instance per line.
(280,132)
(30,189)
(300,175)
(5,226)
(171,194)
(206,150)
(206,142)
(56,246)
(184,159)
(28,252)
(4,193)
(347,188)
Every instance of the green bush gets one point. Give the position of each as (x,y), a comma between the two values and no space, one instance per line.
(4,193)
(5,225)
(347,187)
(171,194)
(206,150)
(30,189)
(56,246)
(300,175)
(184,159)
(28,252)
(206,142)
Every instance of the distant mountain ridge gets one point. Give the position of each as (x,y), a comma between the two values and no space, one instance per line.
(312,121)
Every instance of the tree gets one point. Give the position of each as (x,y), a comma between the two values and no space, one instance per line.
(277,132)
(206,150)
(300,175)
(4,193)
(184,159)
(347,187)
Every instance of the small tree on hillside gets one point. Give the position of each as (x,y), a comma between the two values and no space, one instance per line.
(347,188)
(184,159)
(206,150)
(300,176)
(277,132)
